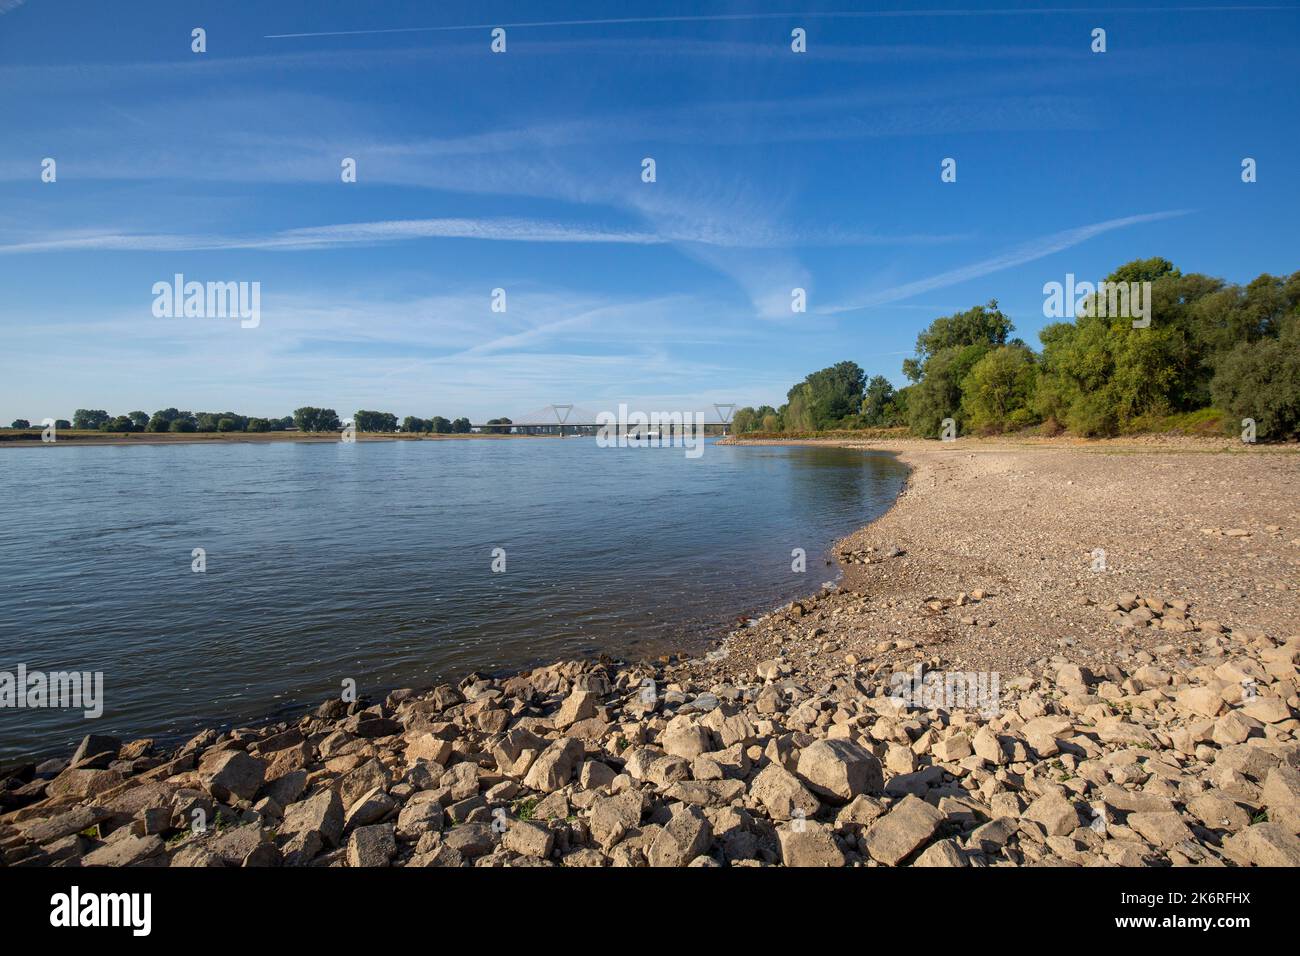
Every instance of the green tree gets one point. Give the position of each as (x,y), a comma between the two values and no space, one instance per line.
(461,426)
(162,419)
(997,394)
(983,325)
(797,411)
(745,420)
(368,421)
(140,420)
(938,395)
(440,425)
(89,418)
(1261,380)
(876,404)
(835,393)
(311,419)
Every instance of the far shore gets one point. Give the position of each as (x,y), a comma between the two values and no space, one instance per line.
(25,438)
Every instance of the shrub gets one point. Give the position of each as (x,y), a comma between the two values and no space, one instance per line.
(997,393)
(1261,380)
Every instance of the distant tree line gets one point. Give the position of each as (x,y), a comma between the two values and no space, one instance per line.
(437,425)
(307,419)
(1213,352)
(169,420)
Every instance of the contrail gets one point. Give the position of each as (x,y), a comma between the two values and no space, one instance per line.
(722,17)
(1030,251)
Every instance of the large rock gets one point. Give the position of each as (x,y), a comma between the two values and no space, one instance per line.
(1264,844)
(230,773)
(1281,788)
(554,768)
(361,780)
(322,814)
(234,846)
(125,852)
(945,853)
(83,783)
(73,821)
(428,747)
(782,794)
(287,788)
(1163,829)
(840,769)
(1218,812)
(580,705)
(372,846)
(805,843)
(684,837)
(419,817)
(470,839)
(685,740)
(528,839)
(612,817)
(517,750)
(902,831)
(1057,815)
(373,806)
(96,745)
(1201,701)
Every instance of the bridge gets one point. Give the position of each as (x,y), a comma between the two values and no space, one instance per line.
(562,418)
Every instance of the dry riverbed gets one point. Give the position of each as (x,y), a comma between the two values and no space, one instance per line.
(1045,654)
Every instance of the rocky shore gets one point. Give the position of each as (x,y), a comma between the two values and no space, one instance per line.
(1044,654)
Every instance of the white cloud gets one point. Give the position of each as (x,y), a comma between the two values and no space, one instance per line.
(1027,252)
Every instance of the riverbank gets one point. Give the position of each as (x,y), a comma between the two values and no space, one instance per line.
(1109,634)
(11,438)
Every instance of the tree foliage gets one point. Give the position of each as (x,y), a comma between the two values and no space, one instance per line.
(1261,380)
(367,421)
(310,419)
(998,392)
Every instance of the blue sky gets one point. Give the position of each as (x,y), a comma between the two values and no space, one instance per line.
(522,171)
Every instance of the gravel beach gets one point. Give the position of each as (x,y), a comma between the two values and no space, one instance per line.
(1045,654)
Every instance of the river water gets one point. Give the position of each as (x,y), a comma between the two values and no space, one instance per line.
(374,561)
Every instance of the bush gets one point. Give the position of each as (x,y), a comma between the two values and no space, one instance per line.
(1261,380)
(938,395)
(1093,414)
(997,392)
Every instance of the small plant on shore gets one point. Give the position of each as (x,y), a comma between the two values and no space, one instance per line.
(524,809)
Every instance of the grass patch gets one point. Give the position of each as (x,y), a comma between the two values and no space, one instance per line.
(1204,422)
(524,809)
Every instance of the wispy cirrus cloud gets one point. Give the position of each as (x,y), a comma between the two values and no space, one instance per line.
(701,231)
(1038,248)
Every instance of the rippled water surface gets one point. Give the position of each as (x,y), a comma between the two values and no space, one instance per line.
(373,561)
